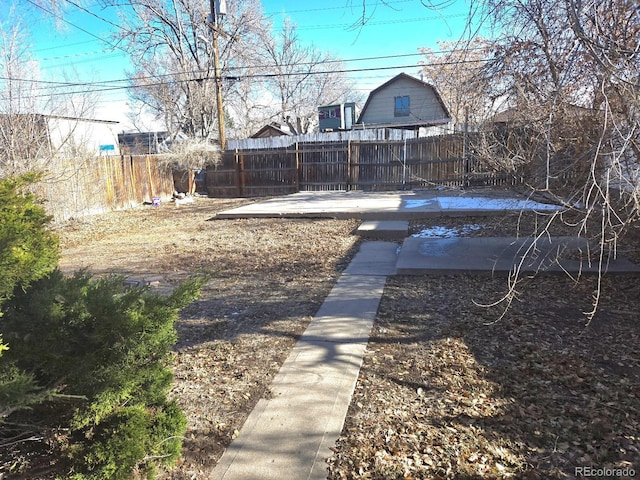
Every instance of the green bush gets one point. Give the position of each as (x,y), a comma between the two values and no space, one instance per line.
(28,252)
(102,348)
(108,347)
(132,438)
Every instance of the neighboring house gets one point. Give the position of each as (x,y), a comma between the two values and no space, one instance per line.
(41,135)
(403,102)
(272,130)
(142,143)
(337,117)
(72,136)
(516,117)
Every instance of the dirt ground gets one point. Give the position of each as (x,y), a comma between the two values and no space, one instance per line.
(446,391)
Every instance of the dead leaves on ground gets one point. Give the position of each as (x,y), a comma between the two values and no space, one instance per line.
(445,394)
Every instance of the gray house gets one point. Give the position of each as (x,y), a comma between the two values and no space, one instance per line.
(403,102)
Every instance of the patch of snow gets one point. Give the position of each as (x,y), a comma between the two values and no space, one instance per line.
(437,249)
(484,203)
(417,203)
(439,231)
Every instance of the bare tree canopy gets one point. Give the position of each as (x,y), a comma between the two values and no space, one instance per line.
(455,72)
(567,77)
(570,74)
(302,78)
(561,65)
(169,42)
(27,104)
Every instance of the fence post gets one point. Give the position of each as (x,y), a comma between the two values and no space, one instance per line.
(348,165)
(150,175)
(465,149)
(297,167)
(137,197)
(236,158)
(354,166)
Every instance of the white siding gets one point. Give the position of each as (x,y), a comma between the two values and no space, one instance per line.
(424,104)
(68,136)
(358,133)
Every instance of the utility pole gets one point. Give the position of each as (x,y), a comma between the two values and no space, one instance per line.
(221,10)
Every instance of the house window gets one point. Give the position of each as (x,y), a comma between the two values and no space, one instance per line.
(401,106)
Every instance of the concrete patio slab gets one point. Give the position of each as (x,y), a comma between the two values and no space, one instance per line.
(397,205)
(486,255)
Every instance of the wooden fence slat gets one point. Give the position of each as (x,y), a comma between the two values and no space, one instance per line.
(352,165)
(103,183)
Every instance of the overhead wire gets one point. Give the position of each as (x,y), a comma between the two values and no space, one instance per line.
(116,84)
(125,83)
(198,74)
(107,88)
(109,22)
(62,19)
(272,14)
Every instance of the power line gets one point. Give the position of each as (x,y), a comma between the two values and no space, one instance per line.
(198,73)
(379,22)
(59,17)
(263,76)
(299,27)
(103,53)
(80,7)
(67,45)
(321,9)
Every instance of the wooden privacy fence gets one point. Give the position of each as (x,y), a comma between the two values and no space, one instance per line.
(104,183)
(351,165)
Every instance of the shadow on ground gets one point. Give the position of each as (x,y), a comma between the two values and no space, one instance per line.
(449,391)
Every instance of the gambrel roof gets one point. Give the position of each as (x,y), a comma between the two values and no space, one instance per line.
(414,121)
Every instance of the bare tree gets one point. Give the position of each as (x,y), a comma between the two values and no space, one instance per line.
(29,137)
(248,104)
(454,69)
(302,77)
(22,132)
(569,72)
(569,75)
(170,46)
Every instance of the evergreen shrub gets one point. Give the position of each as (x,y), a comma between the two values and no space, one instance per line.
(28,252)
(100,351)
(109,348)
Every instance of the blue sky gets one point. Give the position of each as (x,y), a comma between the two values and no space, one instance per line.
(395,30)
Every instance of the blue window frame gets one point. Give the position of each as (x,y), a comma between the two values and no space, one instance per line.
(401,106)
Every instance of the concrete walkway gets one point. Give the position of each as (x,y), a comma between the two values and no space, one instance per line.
(288,435)
(503,255)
